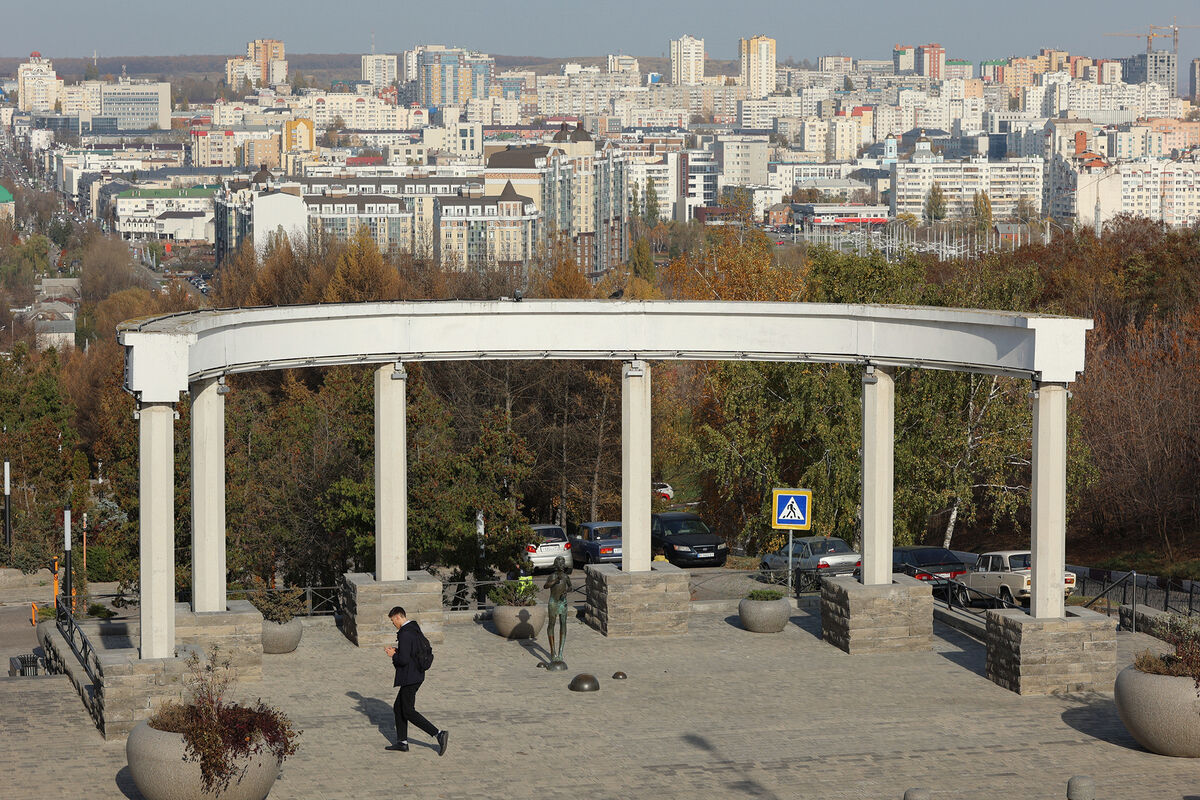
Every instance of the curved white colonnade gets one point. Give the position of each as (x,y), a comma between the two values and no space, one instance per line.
(192,352)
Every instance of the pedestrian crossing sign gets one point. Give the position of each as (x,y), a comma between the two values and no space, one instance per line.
(792,509)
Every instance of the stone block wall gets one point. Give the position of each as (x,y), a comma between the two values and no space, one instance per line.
(888,618)
(237,631)
(1041,656)
(637,603)
(1147,617)
(366,601)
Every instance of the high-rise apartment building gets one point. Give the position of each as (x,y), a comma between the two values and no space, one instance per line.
(1194,83)
(38,85)
(931,61)
(380,70)
(904,59)
(758,65)
(687,61)
(1159,66)
(264,63)
(451,76)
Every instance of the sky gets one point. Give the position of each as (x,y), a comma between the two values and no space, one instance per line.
(970,29)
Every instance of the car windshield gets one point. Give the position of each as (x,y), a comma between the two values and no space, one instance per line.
(551,534)
(606,534)
(677,526)
(1019,561)
(937,555)
(825,546)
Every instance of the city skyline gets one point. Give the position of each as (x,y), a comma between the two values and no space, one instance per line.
(800,33)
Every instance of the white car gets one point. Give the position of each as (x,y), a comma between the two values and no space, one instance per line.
(550,542)
(1005,574)
(664,491)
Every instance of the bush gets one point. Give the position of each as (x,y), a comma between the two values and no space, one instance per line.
(278,605)
(764,594)
(514,593)
(218,733)
(100,610)
(1183,634)
(104,563)
(46,612)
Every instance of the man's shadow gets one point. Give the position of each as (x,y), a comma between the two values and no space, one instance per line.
(378,711)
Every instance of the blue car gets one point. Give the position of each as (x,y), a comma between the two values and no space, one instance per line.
(596,543)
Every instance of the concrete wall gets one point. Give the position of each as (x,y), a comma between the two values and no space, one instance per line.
(366,601)
(637,603)
(238,632)
(884,618)
(1040,656)
(1147,617)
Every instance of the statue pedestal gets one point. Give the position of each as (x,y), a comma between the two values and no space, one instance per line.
(637,603)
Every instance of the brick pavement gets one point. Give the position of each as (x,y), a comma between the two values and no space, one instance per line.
(719,712)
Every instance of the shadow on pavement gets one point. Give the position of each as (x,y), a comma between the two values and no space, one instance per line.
(747,785)
(376,710)
(1096,716)
(971,654)
(126,785)
(539,652)
(808,621)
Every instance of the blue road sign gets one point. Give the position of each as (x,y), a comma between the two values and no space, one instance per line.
(792,509)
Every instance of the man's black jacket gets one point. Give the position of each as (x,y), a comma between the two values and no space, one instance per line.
(408,638)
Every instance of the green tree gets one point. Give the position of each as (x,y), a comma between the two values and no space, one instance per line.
(641,260)
(652,212)
(981,212)
(935,203)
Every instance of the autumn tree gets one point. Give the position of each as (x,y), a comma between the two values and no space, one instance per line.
(361,273)
(981,212)
(935,204)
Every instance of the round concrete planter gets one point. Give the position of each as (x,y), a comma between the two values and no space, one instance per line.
(765,616)
(157,766)
(1161,711)
(519,622)
(281,637)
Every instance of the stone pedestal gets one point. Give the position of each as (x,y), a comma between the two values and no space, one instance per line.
(237,631)
(637,603)
(366,601)
(886,618)
(1041,656)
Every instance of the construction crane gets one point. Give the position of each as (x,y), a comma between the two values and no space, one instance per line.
(1150,37)
(1174,29)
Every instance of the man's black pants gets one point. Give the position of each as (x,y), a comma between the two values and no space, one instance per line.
(406,712)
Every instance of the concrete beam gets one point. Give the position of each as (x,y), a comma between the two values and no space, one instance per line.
(156,493)
(1049,500)
(878,446)
(208,496)
(635,466)
(391,473)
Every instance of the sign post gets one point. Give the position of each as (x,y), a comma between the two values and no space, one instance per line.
(791,511)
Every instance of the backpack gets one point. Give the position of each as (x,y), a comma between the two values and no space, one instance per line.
(424,653)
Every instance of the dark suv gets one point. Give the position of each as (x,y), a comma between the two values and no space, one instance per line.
(686,540)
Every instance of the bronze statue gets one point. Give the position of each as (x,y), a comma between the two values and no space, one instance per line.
(559,584)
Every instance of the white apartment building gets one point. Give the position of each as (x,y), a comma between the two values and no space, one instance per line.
(838,65)
(38,85)
(140,212)
(687,61)
(1005,183)
(761,114)
(1085,192)
(623,63)
(1131,142)
(494,111)
(362,113)
(743,160)
(661,171)
(380,70)
(757,56)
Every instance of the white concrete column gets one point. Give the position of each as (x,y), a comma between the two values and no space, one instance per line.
(1049,500)
(208,496)
(635,466)
(156,495)
(878,445)
(391,474)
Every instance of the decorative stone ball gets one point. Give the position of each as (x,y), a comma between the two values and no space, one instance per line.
(584,683)
(619,676)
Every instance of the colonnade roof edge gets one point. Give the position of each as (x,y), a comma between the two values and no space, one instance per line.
(164,354)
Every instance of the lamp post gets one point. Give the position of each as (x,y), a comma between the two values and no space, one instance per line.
(67,599)
(8,542)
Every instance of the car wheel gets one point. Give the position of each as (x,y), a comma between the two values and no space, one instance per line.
(1006,597)
(962,597)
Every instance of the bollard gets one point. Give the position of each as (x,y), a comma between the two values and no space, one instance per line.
(33,614)
(1081,787)
(917,794)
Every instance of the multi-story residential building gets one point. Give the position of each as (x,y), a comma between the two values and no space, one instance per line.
(355,111)
(299,136)
(761,114)
(451,76)
(699,174)
(38,85)
(961,69)
(904,59)
(1157,66)
(1005,182)
(687,61)
(743,160)
(1194,81)
(1090,190)
(264,64)
(380,70)
(757,56)
(125,105)
(1129,142)
(623,63)
(479,230)
(158,213)
(252,213)
(838,65)
(931,61)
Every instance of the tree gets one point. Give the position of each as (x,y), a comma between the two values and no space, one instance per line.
(652,212)
(641,261)
(981,212)
(361,273)
(935,203)
(1025,211)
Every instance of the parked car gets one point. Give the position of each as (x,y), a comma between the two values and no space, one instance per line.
(1006,574)
(597,543)
(685,539)
(663,490)
(550,542)
(815,557)
(926,563)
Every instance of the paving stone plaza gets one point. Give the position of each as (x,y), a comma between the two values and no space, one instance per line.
(716,712)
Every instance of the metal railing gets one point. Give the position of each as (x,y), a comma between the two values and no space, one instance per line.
(1172,595)
(77,640)
(958,593)
(469,594)
(319,601)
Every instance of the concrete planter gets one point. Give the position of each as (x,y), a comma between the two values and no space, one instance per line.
(157,766)
(765,616)
(281,637)
(1161,711)
(519,622)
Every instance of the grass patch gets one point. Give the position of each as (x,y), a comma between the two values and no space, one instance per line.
(741,562)
(1147,563)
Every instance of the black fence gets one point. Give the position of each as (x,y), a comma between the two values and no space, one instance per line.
(78,641)
(1173,595)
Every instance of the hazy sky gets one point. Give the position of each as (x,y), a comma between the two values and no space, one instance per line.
(970,29)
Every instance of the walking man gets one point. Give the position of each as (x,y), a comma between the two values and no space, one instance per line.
(411,656)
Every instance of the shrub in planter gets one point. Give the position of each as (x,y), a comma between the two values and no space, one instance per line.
(517,614)
(1158,696)
(764,611)
(237,747)
(282,629)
